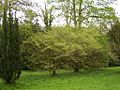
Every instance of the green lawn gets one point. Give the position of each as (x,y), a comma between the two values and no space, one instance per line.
(107,79)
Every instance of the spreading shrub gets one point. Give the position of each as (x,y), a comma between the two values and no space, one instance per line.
(68,48)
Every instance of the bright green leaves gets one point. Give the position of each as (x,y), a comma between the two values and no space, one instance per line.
(69,48)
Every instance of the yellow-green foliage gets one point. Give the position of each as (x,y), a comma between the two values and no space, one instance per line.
(65,47)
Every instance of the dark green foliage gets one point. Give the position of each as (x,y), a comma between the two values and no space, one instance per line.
(27,51)
(114,33)
(10,48)
(96,58)
(0,52)
(36,27)
(114,38)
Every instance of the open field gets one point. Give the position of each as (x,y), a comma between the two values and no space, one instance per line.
(107,79)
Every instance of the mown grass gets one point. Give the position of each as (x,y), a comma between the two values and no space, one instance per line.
(106,79)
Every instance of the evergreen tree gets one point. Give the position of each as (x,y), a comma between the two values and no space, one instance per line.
(10,47)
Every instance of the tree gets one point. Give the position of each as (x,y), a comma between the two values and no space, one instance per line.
(84,12)
(47,16)
(114,39)
(32,21)
(10,47)
(17,5)
(68,48)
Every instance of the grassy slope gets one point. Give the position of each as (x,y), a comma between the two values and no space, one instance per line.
(108,79)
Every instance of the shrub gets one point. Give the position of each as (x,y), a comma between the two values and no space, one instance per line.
(69,48)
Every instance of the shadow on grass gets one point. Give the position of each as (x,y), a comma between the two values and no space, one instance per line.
(4,86)
(91,73)
(69,74)
(29,79)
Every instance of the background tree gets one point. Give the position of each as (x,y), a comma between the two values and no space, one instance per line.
(47,16)
(84,13)
(114,39)
(31,21)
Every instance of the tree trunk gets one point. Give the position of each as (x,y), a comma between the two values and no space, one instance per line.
(80,13)
(74,13)
(76,70)
(53,72)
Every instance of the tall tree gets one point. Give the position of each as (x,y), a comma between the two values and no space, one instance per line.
(10,47)
(84,12)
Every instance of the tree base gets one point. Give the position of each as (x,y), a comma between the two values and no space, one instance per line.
(54,73)
(76,70)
